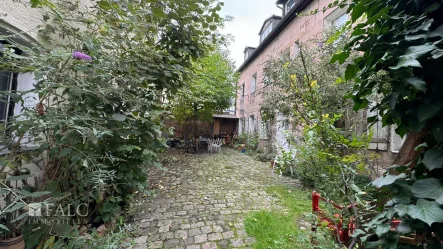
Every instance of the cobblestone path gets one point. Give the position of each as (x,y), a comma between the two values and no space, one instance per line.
(203,200)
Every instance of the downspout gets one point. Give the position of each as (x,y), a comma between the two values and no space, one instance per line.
(282,9)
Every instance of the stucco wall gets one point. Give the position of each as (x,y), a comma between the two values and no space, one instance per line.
(21,17)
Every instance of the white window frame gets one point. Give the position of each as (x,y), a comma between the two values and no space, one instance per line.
(289,7)
(295,50)
(380,133)
(7,111)
(266,31)
(251,124)
(334,16)
(253,83)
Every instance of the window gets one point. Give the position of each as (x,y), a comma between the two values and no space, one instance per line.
(6,106)
(266,32)
(296,50)
(264,131)
(286,54)
(266,79)
(242,90)
(379,133)
(247,54)
(289,5)
(340,21)
(7,83)
(253,83)
(251,124)
(337,18)
(242,126)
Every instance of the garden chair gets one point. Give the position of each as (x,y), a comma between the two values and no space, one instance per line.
(210,145)
(217,145)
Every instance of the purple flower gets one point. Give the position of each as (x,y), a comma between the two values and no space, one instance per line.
(320,44)
(81,56)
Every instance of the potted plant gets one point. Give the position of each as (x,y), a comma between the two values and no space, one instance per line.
(16,198)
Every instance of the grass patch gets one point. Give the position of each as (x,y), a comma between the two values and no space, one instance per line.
(296,200)
(280,229)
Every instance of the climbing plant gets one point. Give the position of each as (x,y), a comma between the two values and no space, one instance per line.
(326,139)
(400,48)
(100,88)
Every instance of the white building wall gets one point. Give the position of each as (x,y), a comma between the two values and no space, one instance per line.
(19,16)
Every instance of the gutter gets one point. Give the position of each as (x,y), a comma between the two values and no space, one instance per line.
(287,19)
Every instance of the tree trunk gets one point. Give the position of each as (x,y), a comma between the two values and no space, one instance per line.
(195,121)
(407,153)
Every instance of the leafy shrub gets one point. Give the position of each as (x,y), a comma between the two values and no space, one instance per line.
(309,93)
(100,90)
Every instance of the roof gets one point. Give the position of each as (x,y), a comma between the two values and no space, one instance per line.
(281,1)
(269,18)
(291,15)
(225,116)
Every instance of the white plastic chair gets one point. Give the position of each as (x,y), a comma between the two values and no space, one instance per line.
(210,145)
(217,145)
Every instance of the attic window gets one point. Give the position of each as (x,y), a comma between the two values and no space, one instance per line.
(266,32)
(246,54)
(289,5)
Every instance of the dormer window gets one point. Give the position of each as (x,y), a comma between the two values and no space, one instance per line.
(268,26)
(266,32)
(289,5)
(248,52)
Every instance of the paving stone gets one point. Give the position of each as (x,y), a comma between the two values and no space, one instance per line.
(190,241)
(188,207)
(193,247)
(201,238)
(165,223)
(185,226)
(228,234)
(241,233)
(165,236)
(237,242)
(156,244)
(209,245)
(206,229)
(173,243)
(181,234)
(215,236)
(224,244)
(217,229)
(154,237)
(140,242)
(164,229)
(194,231)
(205,199)
(198,224)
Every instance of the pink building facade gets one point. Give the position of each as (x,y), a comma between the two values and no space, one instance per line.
(279,36)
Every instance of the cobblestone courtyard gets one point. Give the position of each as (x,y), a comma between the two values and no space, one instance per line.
(202,201)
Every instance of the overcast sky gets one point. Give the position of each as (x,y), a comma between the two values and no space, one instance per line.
(248,19)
